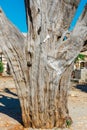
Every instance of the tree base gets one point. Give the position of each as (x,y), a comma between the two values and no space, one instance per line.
(61,123)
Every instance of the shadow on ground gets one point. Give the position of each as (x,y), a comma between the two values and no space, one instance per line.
(10,105)
(82,87)
(8,91)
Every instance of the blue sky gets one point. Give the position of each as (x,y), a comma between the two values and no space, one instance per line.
(15,11)
(77,13)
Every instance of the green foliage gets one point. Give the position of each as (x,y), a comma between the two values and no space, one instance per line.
(68,123)
(1,67)
(80,57)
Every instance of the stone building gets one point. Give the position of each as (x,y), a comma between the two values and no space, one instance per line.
(80,69)
(5,64)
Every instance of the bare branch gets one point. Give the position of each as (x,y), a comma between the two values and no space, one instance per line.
(7,28)
(68,49)
(12,45)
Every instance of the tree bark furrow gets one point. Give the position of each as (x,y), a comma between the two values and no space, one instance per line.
(42,66)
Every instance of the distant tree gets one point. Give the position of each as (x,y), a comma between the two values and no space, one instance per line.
(80,57)
(41,64)
(1,67)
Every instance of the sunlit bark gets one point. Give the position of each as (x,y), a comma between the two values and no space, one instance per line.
(42,63)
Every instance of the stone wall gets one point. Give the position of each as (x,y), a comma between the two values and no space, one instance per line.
(81,75)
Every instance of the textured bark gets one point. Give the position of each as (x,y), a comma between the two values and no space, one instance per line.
(13,47)
(42,63)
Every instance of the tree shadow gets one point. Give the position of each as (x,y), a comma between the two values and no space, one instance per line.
(8,91)
(82,87)
(10,106)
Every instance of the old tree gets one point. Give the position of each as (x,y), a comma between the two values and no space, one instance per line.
(41,64)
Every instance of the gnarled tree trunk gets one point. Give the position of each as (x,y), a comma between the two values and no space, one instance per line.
(42,63)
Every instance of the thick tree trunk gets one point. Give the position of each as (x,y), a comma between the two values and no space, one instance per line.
(13,47)
(42,65)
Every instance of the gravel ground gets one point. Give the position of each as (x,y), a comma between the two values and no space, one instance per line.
(10,113)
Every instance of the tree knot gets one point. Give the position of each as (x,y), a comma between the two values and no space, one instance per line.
(0,11)
(29,64)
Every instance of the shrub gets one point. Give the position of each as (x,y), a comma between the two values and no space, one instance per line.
(68,123)
(1,67)
(80,57)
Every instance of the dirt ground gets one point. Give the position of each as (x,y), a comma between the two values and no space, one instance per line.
(10,113)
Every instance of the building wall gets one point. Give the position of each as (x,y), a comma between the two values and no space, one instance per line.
(4,61)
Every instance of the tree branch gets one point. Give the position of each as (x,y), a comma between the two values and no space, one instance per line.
(8,29)
(68,49)
(13,47)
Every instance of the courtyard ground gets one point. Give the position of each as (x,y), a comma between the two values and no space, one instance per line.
(10,113)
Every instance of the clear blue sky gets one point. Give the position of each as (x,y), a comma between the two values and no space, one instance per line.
(15,11)
(77,13)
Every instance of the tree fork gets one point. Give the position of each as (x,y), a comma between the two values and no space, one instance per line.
(42,66)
